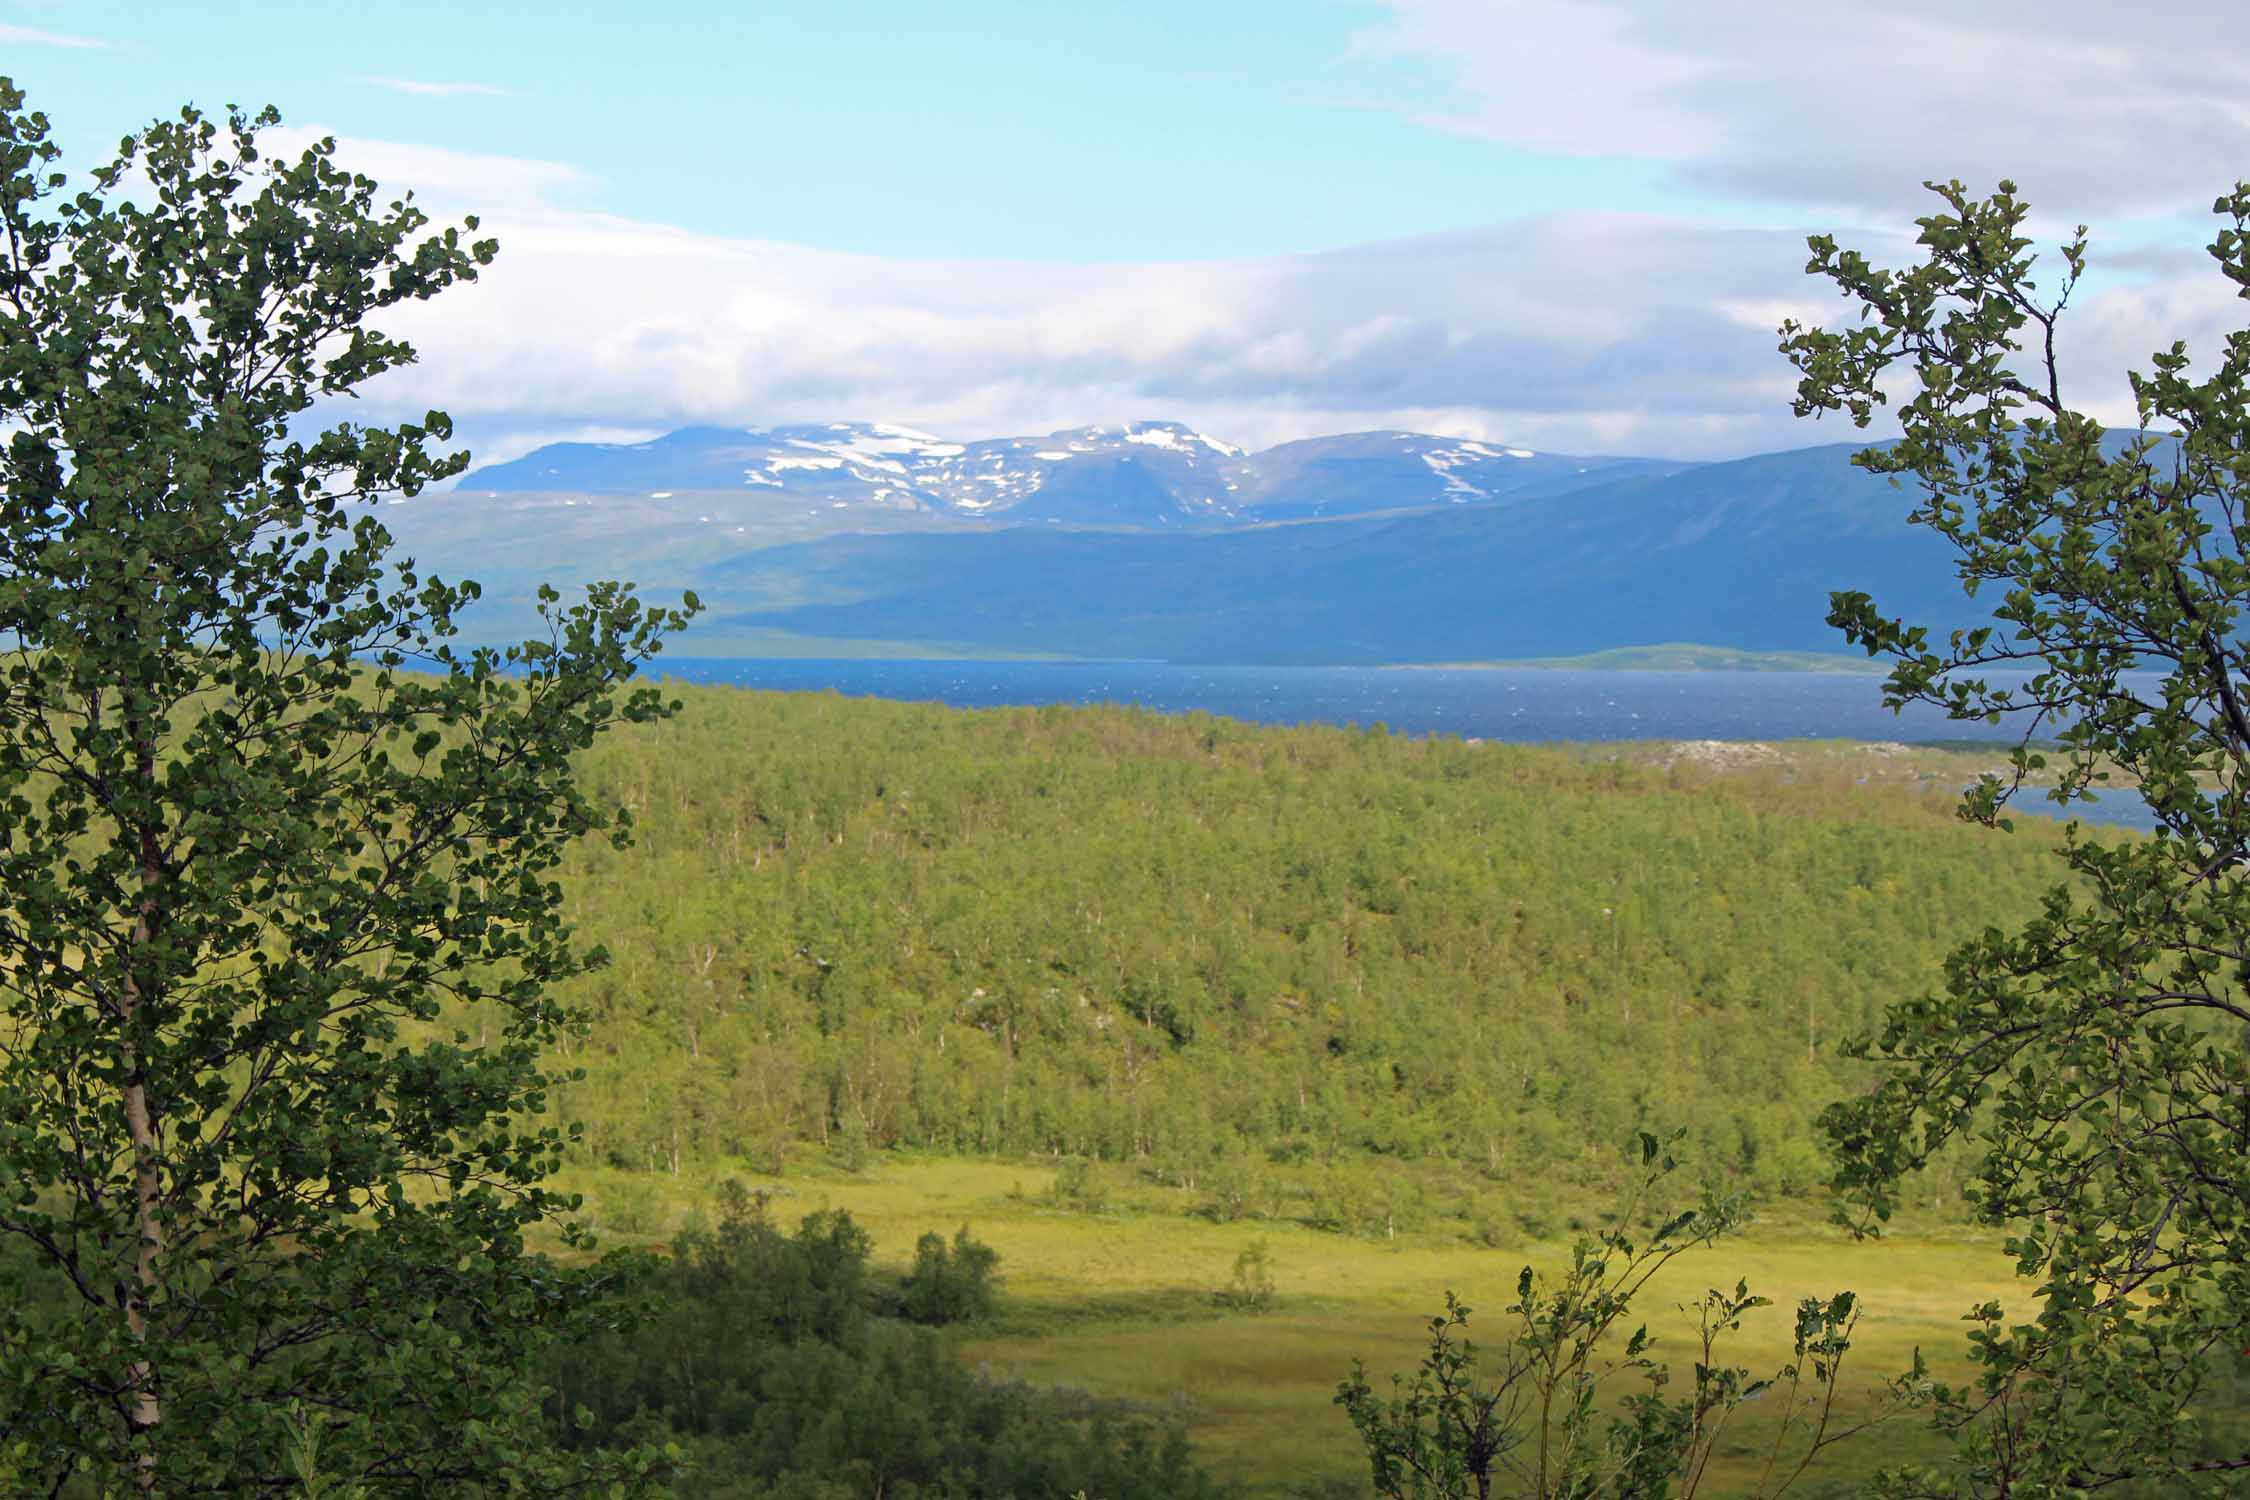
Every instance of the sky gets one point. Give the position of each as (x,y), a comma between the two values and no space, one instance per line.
(1565,224)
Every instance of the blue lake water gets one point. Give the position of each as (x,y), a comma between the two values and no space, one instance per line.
(1527,705)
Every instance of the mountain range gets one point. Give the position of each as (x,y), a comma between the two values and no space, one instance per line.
(1152,540)
(1161,475)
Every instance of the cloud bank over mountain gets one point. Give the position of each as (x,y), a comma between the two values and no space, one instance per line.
(1604,332)
(1589,331)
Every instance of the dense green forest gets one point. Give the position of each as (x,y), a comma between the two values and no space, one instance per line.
(1199,947)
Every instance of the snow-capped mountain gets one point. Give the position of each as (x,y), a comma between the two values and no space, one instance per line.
(1153,541)
(1156,475)
(1348,473)
(1143,473)
(845,463)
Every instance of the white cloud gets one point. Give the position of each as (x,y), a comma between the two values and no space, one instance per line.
(2092,111)
(442,90)
(1583,332)
(444,179)
(28,37)
(517,442)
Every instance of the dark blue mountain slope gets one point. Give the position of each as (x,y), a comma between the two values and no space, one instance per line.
(1740,554)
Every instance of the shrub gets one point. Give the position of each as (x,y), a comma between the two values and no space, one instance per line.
(1080,1183)
(631,1205)
(949,1285)
(1251,1287)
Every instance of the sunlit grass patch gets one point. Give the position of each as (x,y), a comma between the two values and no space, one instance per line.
(1122,1305)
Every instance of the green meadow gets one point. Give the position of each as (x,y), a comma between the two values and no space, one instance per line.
(1121,1306)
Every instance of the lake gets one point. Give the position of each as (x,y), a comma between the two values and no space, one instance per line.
(1529,705)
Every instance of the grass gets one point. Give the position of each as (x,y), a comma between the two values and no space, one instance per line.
(1121,1306)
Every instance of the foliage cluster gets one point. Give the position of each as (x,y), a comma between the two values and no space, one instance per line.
(1249,1286)
(2097,1055)
(949,1283)
(768,1359)
(251,865)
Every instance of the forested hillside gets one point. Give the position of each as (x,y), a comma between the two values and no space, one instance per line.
(1186,942)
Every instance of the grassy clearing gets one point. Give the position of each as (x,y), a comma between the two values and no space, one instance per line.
(1120,1305)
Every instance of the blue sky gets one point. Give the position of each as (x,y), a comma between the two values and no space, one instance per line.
(1000,129)
(1571,224)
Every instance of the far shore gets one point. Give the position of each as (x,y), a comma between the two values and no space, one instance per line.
(1677,656)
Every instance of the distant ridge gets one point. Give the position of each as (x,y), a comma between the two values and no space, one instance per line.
(1682,656)
(1150,540)
(1140,474)
(1742,555)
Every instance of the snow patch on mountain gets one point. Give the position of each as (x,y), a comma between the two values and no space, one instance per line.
(1137,474)
(1457,489)
(1174,437)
